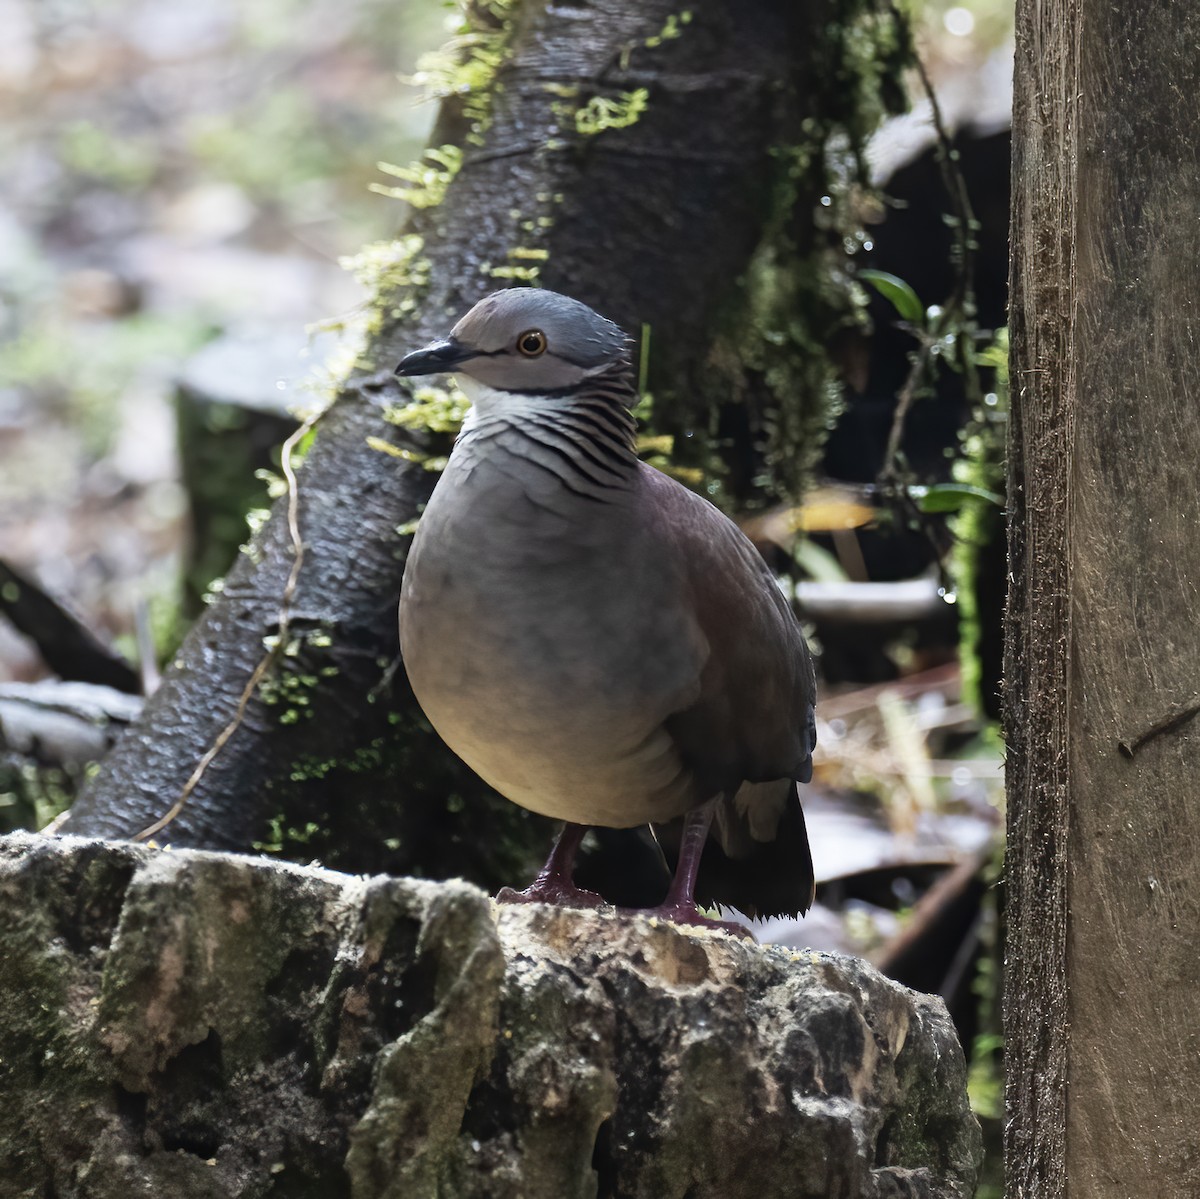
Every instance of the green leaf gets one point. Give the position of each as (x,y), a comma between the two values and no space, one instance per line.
(950,497)
(818,563)
(897,293)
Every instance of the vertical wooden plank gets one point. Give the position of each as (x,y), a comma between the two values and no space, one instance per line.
(1103,985)
(1133,960)
(1042,289)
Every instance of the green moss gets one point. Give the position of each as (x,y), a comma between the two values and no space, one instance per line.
(529,253)
(771,356)
(516,273)
(978,527)
(296,673)
(362,759)
(790,314)
(524,263)
(427,179)
(672,28)
(793,298)
(256,520)
(395,273)
(465,67)
(601,113)
(437,409)
(427,814)
(50,1058)
(430,462)
(281,834)
(31,795)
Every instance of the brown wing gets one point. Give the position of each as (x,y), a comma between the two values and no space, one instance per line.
(750,735)
(753,721)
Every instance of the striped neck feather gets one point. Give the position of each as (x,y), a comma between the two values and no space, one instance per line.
(598,408)
(586,438)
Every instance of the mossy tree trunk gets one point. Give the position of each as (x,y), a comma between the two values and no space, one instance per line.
(1103,659)
(649,161)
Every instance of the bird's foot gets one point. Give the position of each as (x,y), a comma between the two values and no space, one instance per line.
(689,914)
(557,891)
(554,881)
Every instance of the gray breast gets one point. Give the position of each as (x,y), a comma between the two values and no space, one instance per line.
(542,633)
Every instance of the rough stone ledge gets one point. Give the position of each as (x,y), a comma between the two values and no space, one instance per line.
(207,1025)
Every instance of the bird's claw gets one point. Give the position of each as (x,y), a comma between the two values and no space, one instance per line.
(691,916)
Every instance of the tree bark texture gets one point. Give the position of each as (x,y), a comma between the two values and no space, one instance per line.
(220,1027)
(1102,1036)
(651,222)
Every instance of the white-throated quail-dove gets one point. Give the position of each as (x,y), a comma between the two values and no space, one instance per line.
(599,643)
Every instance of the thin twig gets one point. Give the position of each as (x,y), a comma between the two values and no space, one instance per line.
(963,295)
(959,305)
(1174,719)
(265,663)
(904,401)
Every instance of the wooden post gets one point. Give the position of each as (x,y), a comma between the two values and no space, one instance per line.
(1102,1005)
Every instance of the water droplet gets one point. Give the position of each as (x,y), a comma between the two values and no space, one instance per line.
(281,385)
(826,201)
(949,595)
(959,21)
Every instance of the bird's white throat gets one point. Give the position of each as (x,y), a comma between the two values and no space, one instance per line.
(488,402)
(484,399)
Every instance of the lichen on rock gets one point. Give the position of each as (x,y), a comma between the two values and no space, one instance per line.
(181,1023)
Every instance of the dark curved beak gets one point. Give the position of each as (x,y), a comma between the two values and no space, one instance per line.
(434,359)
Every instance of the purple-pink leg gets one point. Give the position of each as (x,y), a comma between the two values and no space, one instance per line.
(554,883)
(680,905)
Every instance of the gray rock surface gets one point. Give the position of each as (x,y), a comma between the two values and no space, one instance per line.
(193,1024)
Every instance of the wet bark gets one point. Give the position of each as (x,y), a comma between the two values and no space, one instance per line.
(1104,832)
(652,224)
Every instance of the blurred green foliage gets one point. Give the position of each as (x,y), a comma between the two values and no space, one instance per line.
(83,370)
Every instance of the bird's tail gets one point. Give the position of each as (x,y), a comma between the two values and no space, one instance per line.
(757,858)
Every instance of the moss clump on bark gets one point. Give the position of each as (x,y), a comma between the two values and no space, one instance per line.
(771,361)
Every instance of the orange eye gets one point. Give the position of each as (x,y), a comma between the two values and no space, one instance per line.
(532,343)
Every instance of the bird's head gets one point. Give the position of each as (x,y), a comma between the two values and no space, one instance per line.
(525,341)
